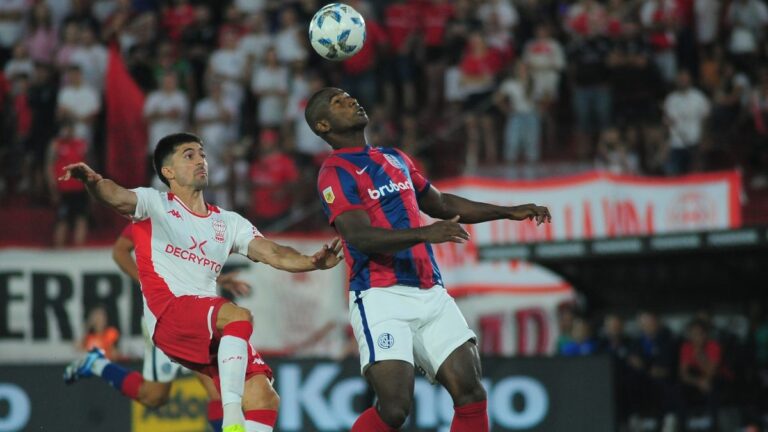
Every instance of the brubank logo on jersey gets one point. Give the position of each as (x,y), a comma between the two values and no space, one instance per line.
(389,188)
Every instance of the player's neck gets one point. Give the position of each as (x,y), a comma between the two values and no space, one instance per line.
(351,140)
(192,198)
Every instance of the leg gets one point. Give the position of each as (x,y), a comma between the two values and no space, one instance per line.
(235,326)
(215,412)
(60,234)
(460,375)
(80,230)
(260,403)
(153,394)
(392,381)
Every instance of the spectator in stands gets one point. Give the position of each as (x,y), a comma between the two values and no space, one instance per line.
(565,318)
(728,100)
(615,154)
(270,83)
(92,58)
(177,15)
(81,14)
(70,41)
(586,18)
(228,65)
(479,67)
(291,38)
(582,343)
(42,39)
(685,110)
(309,148)
(166,111)
(699,365)
(401,21)
(360,70)
(546,60)
(256,40)
(168,61)
(69,197)
(653,365)
(214,118)
(42,95)
(522,130)
(99,334)
(613,341)
(232,22)
(12,13)
(758,107)
(437,14)
(198,41)
(747,20)
(78,101)
(592,96)
(20,63)
(273,176)
(661,19)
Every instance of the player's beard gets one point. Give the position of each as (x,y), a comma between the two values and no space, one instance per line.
(200,183)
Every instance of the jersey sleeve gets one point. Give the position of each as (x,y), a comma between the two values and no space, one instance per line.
(420,183)
(127,232)
(338,192)
(244,233)
(148,202)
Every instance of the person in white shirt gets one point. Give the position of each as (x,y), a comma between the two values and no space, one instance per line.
(166,110)
(214,117)
(523,128)
(290,37)
(254,44)
(21,63)
(78,102)
(545,59)
(270,86)
(228,65)
(12,13)
(685,110)
(92,58)
(181,243)
(306,143)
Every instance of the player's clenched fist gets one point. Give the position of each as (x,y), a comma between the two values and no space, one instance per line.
(531,212)
(446,231)
(328,256)
(82,172)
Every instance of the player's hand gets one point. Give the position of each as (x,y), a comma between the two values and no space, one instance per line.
(446,231)
(328,256)
(531,212)
(229,282)
(82,172)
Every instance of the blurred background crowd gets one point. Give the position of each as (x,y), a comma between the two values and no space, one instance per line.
(513,88)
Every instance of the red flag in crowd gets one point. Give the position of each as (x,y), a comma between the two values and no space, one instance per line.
(126,130)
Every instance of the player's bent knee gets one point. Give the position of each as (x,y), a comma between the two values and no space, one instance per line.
(471,394)
(230,313)
(154,400)
(394,414)
(259,394)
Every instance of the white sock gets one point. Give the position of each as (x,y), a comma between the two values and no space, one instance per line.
(252,426)
(98,365)
(232,361)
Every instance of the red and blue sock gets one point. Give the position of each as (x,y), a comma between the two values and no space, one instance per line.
(125,380)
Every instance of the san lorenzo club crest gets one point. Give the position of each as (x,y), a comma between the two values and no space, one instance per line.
(386,341)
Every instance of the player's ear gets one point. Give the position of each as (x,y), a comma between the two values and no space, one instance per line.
(167,172)
(322,126)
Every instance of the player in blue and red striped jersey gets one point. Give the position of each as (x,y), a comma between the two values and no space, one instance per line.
(400,313)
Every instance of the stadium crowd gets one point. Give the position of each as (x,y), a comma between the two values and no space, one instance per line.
(526,87)
(676,372)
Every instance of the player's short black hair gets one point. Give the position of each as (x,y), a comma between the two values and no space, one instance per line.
(317,106)
(166,146)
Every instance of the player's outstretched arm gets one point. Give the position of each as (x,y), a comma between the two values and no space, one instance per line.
(355,227)
(444,206)
(105,190)
(289,259)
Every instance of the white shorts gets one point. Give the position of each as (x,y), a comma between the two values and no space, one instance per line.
(157,366)
(419,326)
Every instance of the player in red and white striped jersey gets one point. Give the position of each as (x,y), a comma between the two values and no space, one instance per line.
(182,243)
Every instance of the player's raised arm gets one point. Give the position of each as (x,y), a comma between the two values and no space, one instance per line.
(445,205)
(105,190)
(289,259)
(355,227)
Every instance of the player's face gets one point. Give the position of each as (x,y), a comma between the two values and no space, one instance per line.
(190,168)
(346,113)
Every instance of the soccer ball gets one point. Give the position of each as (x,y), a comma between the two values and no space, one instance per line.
(337,31)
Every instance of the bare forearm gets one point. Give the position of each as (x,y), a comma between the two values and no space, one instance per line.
(381,240)
(473,211)
(125,261)
(113,195)
(290,260)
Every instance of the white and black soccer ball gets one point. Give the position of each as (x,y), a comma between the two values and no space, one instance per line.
(337,31)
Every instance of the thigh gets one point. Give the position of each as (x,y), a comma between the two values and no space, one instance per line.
(258,393)
(392,380)
(443,331)
(187,327)
(209,385)
(461,373)
(158,367)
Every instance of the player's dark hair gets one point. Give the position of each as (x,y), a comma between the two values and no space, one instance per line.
(166,146)
(317,106)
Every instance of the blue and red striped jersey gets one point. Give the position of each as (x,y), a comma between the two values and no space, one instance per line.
(385,184)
